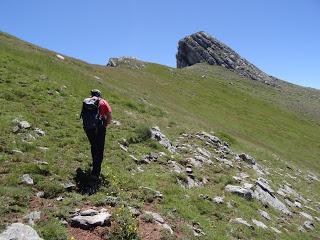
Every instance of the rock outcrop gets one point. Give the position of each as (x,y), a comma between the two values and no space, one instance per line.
(201,47)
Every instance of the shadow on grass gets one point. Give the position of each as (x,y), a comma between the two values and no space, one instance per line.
(88,184)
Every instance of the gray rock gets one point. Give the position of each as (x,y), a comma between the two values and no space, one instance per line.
(39,132)
(156,217)
(100,218)
(89,212)
(264,214)
(168,228)
(24,125)
(116,123)
(259,224)
(17,152)
(32,216)
(69,186)
(25,178)
(243,192)
(156,194)
(161,138)
(197,231)
(201,47)
(40,194)
(176,167)
(275,230)
(241,221)
(306,215)
(246,158)
(60,198)
(264,184)
(15,129)
(134,211)
(267,199)
(218,200)
(309,225)
(204,152)
(19,231)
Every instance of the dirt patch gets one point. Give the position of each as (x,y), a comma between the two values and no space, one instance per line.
(149,231)
(98,233)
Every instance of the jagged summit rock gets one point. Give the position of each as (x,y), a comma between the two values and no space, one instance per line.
(201,47)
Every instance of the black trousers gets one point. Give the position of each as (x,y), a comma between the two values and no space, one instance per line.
(96,138)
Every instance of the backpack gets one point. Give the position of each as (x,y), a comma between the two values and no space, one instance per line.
(90,113)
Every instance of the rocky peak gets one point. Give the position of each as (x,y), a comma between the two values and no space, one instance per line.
(201,47)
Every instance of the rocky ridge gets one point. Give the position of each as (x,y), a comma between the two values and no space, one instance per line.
(200,47)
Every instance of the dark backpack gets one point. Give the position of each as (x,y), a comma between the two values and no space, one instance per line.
(90,113)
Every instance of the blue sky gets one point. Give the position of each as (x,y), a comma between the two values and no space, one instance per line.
(282,37)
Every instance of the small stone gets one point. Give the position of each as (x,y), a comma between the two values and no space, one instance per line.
(134,211)
(246,158)
(39,132)
(309,225)
(218,200)
(25,178)
(259,224)
(197,231)
(123,148)
(102,218)
(306,215)
(167,227)
(264,214)
(60,198)
(15,129)
(44,149)
(133,158)
(275,230)
(116,123)
(242,221)
(24,125)
(156,216)
(247,193)
(60,56)
(17,152)
(69,186)
(40,194)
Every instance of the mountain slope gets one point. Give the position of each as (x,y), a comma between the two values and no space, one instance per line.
(47,91)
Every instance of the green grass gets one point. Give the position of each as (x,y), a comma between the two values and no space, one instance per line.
(252,117)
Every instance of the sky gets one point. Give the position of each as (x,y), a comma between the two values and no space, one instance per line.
(281,37)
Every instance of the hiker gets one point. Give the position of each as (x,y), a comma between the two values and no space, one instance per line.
(96,116)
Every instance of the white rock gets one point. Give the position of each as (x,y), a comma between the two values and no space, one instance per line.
(60,56)
(19,231)
(25,178)
(33,216)
(259,224)
(24,125)
(241,221)
(100,219)
(244,192)
(306,215)
(275,230)
(218,199)
(156,216)
(40,132)
(264,214)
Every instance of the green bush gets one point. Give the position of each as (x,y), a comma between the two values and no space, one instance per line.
(53,230)
(141,133)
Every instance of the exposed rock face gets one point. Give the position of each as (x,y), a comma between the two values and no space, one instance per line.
(201,47)
(19,231)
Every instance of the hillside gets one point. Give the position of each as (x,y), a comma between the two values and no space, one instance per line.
(278,127)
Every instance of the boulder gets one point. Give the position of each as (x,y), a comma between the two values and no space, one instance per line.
(19,231)
(90,218)
(267,199)
(241,191)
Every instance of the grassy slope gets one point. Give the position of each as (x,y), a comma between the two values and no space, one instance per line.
(246,113)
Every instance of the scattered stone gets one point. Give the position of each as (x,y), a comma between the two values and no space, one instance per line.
(39,132)
(32,216)
(156,217)
(197,231)
(60,198)
(218,200)
(264,214)
(263,183)
(44,149)
(116,123)
(297,204)
(63,222)
(151,157)
(25,178)
(167,227)
(133,158)
(301,229)
(112,201)
(15,129)
(243,192)
(161,138)
(156,194)
(96,77)
(189,170)
(176,167)
(40,162)
(275,230)
(123,148)
(134,211)
(246,158)
(267,199)
(24,125)
(19,231)
(60,56)
(242,221)
(204,152)
(259,224)
(17,152)
(306,215)
(40,194)
(309,225)
(91,218)
(69,186)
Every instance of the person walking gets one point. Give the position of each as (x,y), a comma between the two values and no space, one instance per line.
(96,116)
